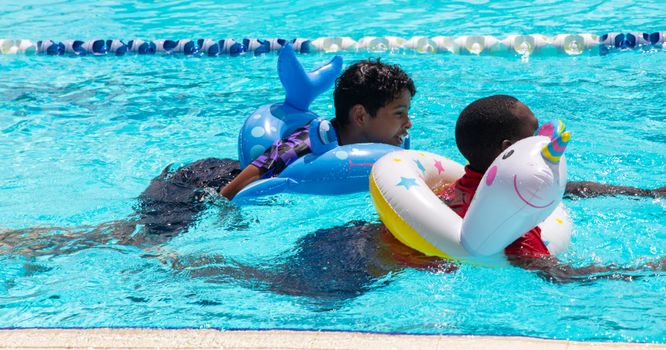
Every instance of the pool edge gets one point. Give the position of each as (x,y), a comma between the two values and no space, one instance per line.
(146,338)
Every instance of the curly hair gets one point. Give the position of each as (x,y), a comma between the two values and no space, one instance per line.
(370,83)
(483,124)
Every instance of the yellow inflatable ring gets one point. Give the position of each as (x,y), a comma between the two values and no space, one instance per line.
(402,186)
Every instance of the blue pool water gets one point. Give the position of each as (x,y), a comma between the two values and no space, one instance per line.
(81,138)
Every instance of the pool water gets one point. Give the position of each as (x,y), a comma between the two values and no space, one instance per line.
(81,138)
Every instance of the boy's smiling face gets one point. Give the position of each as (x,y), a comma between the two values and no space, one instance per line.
(391,122)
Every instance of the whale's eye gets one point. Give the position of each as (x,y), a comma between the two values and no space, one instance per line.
(507,154)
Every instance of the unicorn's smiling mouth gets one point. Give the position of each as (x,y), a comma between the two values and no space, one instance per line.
(515,187)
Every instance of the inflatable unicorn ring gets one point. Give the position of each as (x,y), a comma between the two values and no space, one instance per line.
(522,188)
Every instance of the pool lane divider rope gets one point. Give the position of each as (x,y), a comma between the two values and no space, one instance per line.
(569,44)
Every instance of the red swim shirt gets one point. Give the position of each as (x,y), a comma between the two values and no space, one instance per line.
(459,196)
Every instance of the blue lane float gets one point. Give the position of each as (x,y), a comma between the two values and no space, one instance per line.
(116,47)
(50,47)
(82,48)
(186,47)
(344,169)
(141,47)
(532,44)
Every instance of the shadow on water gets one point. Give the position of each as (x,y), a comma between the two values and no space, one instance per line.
(327,266)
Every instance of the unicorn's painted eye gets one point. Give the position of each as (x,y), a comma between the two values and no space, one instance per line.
(507,154)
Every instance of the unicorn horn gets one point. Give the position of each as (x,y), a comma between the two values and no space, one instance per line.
(553,151)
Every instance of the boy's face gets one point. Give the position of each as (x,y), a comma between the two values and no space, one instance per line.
(391,122)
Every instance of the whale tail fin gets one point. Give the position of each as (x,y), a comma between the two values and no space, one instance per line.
(303,87)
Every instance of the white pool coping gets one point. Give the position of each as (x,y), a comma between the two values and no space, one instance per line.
(141,338)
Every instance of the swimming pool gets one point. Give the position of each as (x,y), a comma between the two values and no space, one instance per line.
(80,138)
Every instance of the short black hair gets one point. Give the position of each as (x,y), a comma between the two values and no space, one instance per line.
(370,83)
(483,125)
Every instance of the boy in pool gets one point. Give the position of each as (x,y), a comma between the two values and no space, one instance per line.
(352,258)
(484,129)
(345,261)
(372,101)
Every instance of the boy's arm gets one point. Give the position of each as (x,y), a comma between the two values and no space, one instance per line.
(553,270)
(530,253)
(249,175)
(588,189)
(272,162)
